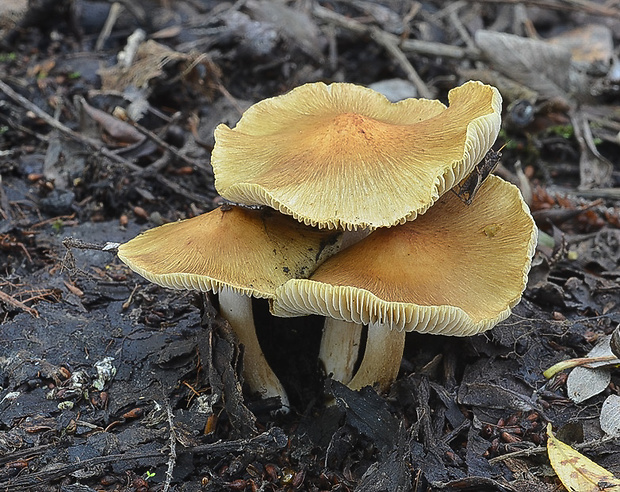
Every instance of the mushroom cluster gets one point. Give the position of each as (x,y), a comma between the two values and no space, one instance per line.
(356,224)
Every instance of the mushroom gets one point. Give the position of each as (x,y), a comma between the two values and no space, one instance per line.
(456,270)
(344,156)
(237,253)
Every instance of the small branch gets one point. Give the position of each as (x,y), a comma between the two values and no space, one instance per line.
(458,25)
(68,262)
(88,142)
(595,443)
(180,190)
(563,6)
(427,48)
(72,242)
(6,298)
(267,443)
(173,448)
(162,143)
(115,11)
(389,43)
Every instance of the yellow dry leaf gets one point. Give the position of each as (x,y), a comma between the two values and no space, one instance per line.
(576,472)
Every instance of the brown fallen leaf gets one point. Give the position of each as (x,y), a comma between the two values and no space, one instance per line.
(119,130)
(73,289)
(576,472)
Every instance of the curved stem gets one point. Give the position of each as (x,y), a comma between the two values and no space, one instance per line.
(339,350)
(237,310)
(381,362)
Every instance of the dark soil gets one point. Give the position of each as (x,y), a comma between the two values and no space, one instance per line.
(110,383)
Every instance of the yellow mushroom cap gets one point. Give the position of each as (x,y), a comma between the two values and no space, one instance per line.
(456,270)
(250,252)
(343,156)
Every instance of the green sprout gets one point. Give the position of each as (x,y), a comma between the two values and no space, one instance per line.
(564,131)
(57,225)
(148,475)
(8,57)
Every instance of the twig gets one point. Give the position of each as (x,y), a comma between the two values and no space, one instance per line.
(231,99)
(89,142)
(162,143)
(129,300)
(51,220)
(180,190)
(36,479)
(427,48)
(594,169)
(68,262)
(94,144)
(458,25)
(441,50)
(268,442)
(173,448)
(606,193)
(518,454)
(5,206)
(113,15)
(388,42)
(542,449)
(566,5)
(72,242)
(18,304)
(22,128)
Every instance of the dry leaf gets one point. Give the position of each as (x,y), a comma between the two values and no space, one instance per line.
(588,44)
(590,375)
(73,289)
(610,415)
(594,169)
(576,472)
(149,64)
(539,65)
(584,383)
(295,25)
(119,130)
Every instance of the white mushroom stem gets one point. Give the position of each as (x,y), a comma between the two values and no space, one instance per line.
(340,342)
(237,310)
(340,347)
(382,357)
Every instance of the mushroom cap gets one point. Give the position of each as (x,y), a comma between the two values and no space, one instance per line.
(344,156)
(456,270)
(250,252)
